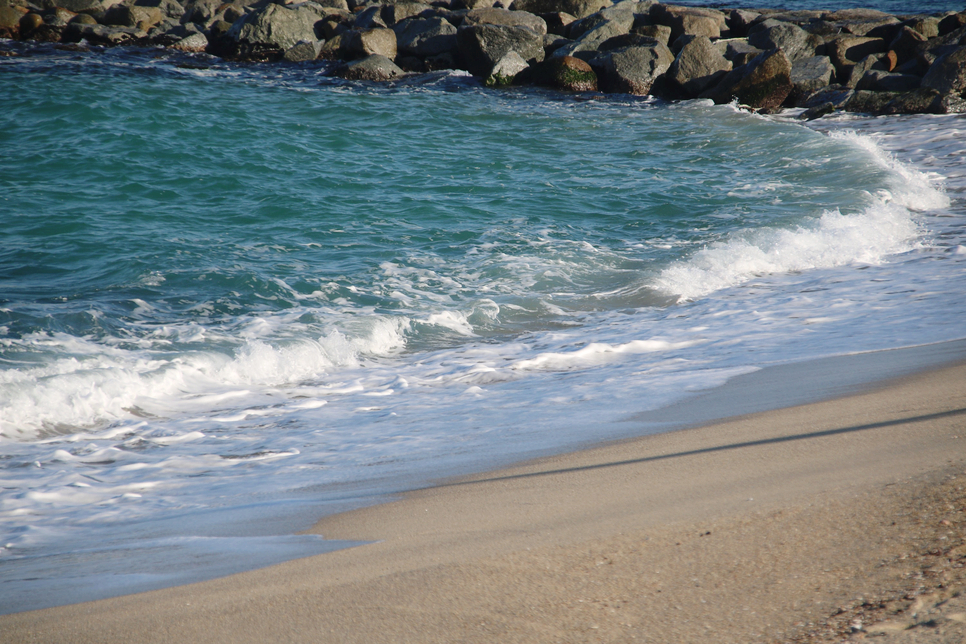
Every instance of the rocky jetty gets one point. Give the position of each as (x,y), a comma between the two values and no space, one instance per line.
(860,60)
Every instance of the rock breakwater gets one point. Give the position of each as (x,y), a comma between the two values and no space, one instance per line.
(860,60)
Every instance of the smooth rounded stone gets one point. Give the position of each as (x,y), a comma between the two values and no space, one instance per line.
(82,19)
(483,45)
(837,95)
(790,38)
(699,66)
(849,50)
(505,17)
(557,22)
(590,41)
(59,17)
(302,51)
(372,68)
(276,26)
(576,8)
(424,37)
(948,74)
(811,74)
(660,33)
(879,80)
(693,21)
(506,69)
(359,44)
(133,16)
(29,23)
(195,43)
(565,73)
(633,70)
(764,83)
(170,8)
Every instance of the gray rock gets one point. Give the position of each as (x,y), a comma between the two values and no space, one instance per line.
(848,50)
(202,12)
(790,38)
(565,73)
(424,37)
(764,83)
(303,51)
(483,45)
(810,75)
(360,44)
(124,16)
(82,6)
(850,75)
(633,70)
(170,8)
(372,68)
(698,66)
(590,41)
(370,18)
(816,112)
(870,102)
(928,26)
(738,50)
(627,40)
(693,21)
(837,95)
(506,69)
(740,20)
(660,33)
(101,34)
(276,26)
(505,17)
(882,81)
(393,14)
(558,22)
(948,74)
(576,8)
(907,44)
(59,17)
(624,11)
(195,43)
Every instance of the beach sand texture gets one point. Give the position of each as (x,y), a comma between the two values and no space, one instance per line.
(833,521)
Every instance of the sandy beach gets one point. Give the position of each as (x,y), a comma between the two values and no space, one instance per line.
(833,521)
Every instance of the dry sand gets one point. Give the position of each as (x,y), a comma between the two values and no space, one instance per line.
(831,521)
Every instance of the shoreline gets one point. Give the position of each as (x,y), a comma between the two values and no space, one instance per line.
(787,496)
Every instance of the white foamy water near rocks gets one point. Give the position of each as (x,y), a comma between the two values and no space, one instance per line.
(243,298)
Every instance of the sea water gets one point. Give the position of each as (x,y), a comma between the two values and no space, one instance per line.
(235,298)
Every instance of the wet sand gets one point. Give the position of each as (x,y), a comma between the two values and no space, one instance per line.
(832,521)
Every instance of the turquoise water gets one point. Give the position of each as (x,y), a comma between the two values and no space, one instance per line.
(233,298)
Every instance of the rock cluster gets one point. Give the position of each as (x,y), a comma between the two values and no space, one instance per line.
(858,60)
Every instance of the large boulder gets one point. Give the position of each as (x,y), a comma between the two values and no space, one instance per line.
(494,16)
(576,8)
(565,73)
(483,45)
(506,70)
(632,70)
(371,68)
(127,16)
(589,42)
(835,95)
(879,80)
(790,38)
(698,66)
(738,50)
(276,26)
(425,37)
(691,21)
(764,83)
(810,75)
(850,75)
(848,50)
(948,74)
(10,22)
(360,44)
(625,12)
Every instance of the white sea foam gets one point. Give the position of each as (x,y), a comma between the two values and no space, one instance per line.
(886,226)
